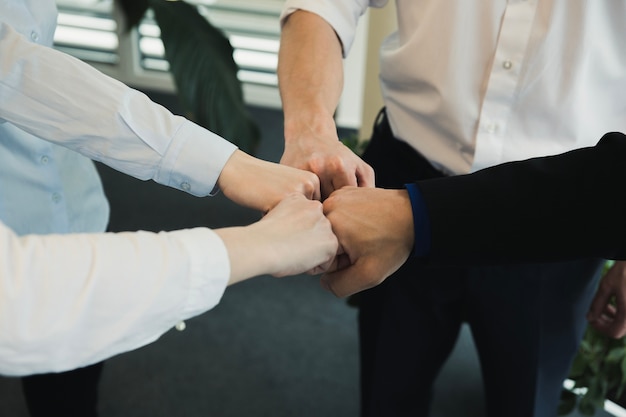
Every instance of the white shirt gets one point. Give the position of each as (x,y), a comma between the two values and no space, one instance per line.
(470,85)
(68,301)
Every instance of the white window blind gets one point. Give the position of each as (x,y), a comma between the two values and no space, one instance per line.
(88,30)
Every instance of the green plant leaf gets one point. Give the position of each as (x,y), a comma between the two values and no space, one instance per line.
(567,403)
(623,368)
(578,366)
(615,355)
(586,408)
(205,73)
(133,10)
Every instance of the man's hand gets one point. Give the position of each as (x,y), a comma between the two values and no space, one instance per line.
(333,162)
(310,73)
(375,232)
(603,315)
(260,184)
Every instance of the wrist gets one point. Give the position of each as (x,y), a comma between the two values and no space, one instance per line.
(245,252)
(420,221)
(319,125)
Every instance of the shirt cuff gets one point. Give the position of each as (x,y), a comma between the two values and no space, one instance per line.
(421,222)
(194,160)
(341,16)
(209,269)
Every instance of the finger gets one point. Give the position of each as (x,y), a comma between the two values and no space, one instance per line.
(618,326)
(365,176)
(347,281)
(601,326)
(607,324)
(312,189)
(609,327)
(326,187)
(340,261)
(600,300)
(344,179)
(331,265)
(317,191)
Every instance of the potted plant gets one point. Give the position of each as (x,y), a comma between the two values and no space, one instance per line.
(202,65)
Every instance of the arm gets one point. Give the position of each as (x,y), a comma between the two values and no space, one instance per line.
(543,209)
(310,73)
(539,210)
(65,101)
(71,300)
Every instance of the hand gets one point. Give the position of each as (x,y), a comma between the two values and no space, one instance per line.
(310,73)
(333,162)
(603,315)
(375,232)
(294,237)
(260,184)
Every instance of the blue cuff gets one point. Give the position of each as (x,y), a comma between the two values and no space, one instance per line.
(421,223)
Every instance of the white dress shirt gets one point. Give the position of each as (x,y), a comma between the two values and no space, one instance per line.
(69,301)
(470,85)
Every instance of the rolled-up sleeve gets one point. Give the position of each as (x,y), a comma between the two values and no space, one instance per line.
(342,15)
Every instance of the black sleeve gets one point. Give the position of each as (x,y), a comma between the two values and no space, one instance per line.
(553,208)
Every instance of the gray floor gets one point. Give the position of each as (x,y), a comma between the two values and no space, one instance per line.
(270,348)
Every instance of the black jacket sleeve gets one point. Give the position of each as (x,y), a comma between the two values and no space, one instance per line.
(555,208)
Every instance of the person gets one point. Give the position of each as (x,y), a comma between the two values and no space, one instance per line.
(70,300)
(464,88)
(50,102)
(379,229)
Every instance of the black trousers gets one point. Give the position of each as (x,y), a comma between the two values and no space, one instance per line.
(526,321)
(65,394)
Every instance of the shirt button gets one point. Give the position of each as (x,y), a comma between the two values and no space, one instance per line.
(507,65)
(185,186)
(44,159)
(180,326)
(34,36)
(56,197)
(491,127)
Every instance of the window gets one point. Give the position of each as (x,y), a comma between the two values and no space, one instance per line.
(88,30)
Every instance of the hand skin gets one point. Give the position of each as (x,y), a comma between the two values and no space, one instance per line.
(605,317)
(310,73)
(294,237)
(374,227)
(261,185)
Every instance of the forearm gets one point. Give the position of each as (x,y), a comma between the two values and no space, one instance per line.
(544,209)
(60,99)
(72,300)
(248,255)
(310,72)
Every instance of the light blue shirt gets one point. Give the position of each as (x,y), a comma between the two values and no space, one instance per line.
(44,187)
(50,95)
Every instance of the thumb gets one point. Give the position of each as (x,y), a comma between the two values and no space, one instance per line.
(350,280)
